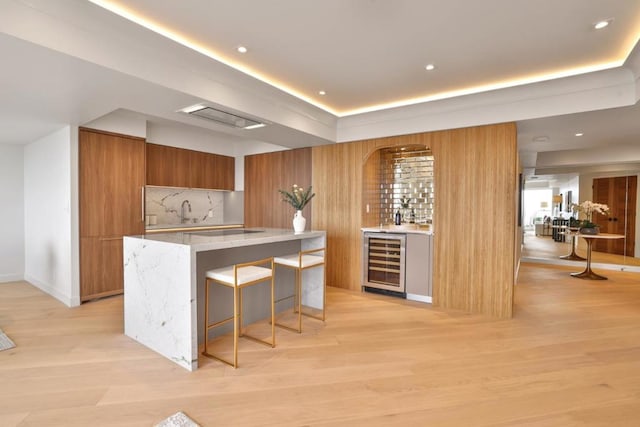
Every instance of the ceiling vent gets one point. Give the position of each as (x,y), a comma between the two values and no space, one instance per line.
(223,117)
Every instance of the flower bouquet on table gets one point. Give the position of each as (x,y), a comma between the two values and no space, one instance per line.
(298,198)
(587,209)
(574,224)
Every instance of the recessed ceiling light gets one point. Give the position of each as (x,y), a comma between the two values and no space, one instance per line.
(579,134)
(256,126)
(190,109)
(430,67)
(602,24)
(541,138)
(242,49)
(321,92)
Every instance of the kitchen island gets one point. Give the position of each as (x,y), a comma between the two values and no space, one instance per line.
(164,283)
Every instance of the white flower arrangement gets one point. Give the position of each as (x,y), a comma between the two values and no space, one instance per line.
(588,208)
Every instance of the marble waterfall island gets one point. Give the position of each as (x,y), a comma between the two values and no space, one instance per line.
(164,283)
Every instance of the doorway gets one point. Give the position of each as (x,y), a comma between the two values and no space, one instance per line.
(619,193)
(537,207)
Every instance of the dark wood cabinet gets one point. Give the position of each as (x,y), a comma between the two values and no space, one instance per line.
(167,166)
(619,193)
(101,271)
(220,171)
(177,167)
(111,185)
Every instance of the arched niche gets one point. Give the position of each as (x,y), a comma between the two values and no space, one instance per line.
(398,178)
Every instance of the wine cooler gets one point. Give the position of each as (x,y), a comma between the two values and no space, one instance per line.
(384,261)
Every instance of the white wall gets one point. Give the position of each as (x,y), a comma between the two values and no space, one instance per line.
(191,138)
(572,185)
(12,213)
(121,121)
(50,213)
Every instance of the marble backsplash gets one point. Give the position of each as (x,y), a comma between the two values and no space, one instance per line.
(203,207)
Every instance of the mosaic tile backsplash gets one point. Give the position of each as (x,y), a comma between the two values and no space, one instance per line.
(406,184)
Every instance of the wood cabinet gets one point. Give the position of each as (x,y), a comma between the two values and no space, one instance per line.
(419,267)
(111,185)
(101,268)
(167,166)
(177,167)
(619,193)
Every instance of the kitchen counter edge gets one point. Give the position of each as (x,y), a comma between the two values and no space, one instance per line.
(386,229)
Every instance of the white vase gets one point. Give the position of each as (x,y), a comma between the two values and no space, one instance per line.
(299,222)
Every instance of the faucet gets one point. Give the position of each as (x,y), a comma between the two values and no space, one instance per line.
(183,217)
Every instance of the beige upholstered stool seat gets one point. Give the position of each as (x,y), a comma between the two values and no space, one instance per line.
(238,277)
(299,262)
(247,274)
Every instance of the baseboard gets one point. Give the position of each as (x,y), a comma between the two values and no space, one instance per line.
(48,289)
(420,298)
(5,278)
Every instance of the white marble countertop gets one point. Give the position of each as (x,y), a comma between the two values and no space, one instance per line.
(406,228)
(207,240)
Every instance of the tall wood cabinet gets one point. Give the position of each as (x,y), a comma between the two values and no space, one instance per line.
(619,193)
(178,167)
(111,185)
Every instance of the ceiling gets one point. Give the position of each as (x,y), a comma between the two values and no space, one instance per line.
(368,53)
(73,61)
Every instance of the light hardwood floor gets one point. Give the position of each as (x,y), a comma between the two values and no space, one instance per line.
(545,247)
(569,357)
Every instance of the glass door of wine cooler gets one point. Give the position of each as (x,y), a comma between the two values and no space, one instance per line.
(384,261)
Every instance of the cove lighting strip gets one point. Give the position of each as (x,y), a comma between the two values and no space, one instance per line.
(118,9)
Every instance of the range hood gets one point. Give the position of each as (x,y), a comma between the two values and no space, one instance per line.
(223,117)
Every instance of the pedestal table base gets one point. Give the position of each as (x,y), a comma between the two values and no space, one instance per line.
(588,274)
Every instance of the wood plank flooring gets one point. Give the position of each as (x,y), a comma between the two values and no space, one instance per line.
(545,247)
(569,357)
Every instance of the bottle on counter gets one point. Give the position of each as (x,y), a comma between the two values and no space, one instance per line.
(412,217)
(398,217)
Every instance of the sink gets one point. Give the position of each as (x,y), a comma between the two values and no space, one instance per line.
(224,232)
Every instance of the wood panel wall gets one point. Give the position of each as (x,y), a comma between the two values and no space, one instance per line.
(264,175)
(474,218)
(371,190)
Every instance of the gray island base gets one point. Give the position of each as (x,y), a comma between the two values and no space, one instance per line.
(164,283)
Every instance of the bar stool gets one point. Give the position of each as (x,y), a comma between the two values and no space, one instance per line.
(301,261)
(238,277)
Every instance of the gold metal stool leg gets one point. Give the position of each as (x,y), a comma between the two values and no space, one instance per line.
(222,277)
